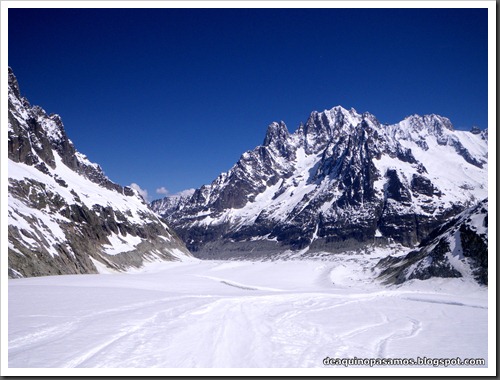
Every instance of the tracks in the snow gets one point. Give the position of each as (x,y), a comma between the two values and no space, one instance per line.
(205,321)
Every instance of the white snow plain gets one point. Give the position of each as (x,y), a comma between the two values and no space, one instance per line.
(243,314)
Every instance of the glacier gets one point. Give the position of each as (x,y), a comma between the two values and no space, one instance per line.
(282,313)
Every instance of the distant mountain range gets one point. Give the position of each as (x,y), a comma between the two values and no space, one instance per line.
(65,216)
(341,181)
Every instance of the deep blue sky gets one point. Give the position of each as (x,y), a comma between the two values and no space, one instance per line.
(171,98)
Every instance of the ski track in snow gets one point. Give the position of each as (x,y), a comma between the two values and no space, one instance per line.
(253,314)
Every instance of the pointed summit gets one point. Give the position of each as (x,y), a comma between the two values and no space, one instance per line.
(276,132)
(13,84)
(322,127)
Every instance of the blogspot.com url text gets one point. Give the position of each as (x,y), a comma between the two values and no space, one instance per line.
(424,361)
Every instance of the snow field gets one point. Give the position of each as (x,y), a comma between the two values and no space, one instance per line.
(240,314)
(90,193)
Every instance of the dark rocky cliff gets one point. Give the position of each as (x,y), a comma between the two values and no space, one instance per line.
(458,248)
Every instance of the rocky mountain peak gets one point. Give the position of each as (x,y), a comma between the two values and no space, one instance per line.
(432,123)
(13,84)
(342,179)
(321,127)
(276,133)
(475,130)
(34,136)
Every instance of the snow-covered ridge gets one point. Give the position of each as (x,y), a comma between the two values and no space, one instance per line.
(65,215)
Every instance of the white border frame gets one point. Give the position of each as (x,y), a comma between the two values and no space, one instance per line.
(490,371)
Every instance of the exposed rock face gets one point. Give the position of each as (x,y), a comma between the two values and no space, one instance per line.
(458,248)
(65,215)
(340,181)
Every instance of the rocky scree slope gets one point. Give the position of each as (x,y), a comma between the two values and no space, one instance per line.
(340,181)
(64,215)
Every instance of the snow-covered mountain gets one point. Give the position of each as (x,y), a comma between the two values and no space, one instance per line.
(172,202)
(340,181)
(65,216)
(459,248)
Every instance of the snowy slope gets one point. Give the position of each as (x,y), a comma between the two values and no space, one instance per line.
(241,314)
(340,181)
(457,249)
(64,214)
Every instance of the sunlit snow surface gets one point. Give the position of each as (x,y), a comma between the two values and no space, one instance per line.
(286,313)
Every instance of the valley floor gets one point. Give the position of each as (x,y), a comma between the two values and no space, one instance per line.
(241,314)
